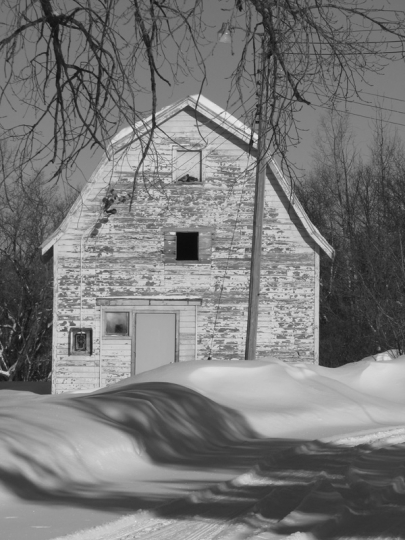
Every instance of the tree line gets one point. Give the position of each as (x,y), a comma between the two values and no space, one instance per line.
(29,211)
(359,206)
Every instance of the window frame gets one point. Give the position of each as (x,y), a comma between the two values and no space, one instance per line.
(104,323)
(206,236)
(178,149)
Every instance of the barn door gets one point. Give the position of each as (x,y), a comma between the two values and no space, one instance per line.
(155,340)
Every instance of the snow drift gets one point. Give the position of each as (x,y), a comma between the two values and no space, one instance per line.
(298,401)
(144,436)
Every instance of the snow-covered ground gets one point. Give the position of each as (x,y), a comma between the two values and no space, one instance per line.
(211,450)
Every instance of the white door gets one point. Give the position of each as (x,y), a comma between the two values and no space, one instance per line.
(155,340)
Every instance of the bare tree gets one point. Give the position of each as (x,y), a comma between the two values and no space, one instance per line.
(79,67)
(29,211)
(359,206)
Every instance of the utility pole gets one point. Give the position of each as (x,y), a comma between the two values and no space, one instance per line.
(224,36)
(258,212)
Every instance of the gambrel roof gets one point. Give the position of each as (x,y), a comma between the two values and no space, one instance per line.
(224,120)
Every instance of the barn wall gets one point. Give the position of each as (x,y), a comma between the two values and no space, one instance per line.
(128,255)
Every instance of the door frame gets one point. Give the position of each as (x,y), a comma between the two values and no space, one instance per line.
(144,311)
(132,304)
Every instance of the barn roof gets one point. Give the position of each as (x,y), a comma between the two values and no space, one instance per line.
(223,119)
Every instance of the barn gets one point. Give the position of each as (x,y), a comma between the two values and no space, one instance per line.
(166,278)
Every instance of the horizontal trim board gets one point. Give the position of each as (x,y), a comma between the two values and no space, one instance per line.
(191,228)
(111,343)
(149,301)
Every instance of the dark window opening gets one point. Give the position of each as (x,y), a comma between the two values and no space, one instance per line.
(187,246)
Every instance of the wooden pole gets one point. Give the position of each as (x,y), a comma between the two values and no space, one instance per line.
(258,212)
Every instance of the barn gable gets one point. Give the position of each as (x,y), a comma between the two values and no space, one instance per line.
(179,259)
(207,112)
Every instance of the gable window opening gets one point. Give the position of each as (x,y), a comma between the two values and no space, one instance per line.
(188,165)
(187,246)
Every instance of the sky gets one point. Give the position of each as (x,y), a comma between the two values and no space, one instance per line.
(383,92)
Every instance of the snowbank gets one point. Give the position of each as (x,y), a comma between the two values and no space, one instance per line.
(186,425)
(178,413)
(298,401)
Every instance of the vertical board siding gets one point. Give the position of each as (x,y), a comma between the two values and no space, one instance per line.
(133,254)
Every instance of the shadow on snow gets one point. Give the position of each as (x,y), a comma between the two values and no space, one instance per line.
(330,490)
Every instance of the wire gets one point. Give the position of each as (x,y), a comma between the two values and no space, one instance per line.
(368,30)
(353,53)
(197,145)
(245,173)
(355,42)
(357,114)
(377,107)
(383,97)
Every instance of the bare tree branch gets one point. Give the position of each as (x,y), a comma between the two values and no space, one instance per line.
(81,67)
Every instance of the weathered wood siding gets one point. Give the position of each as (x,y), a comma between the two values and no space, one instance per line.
(132,256)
